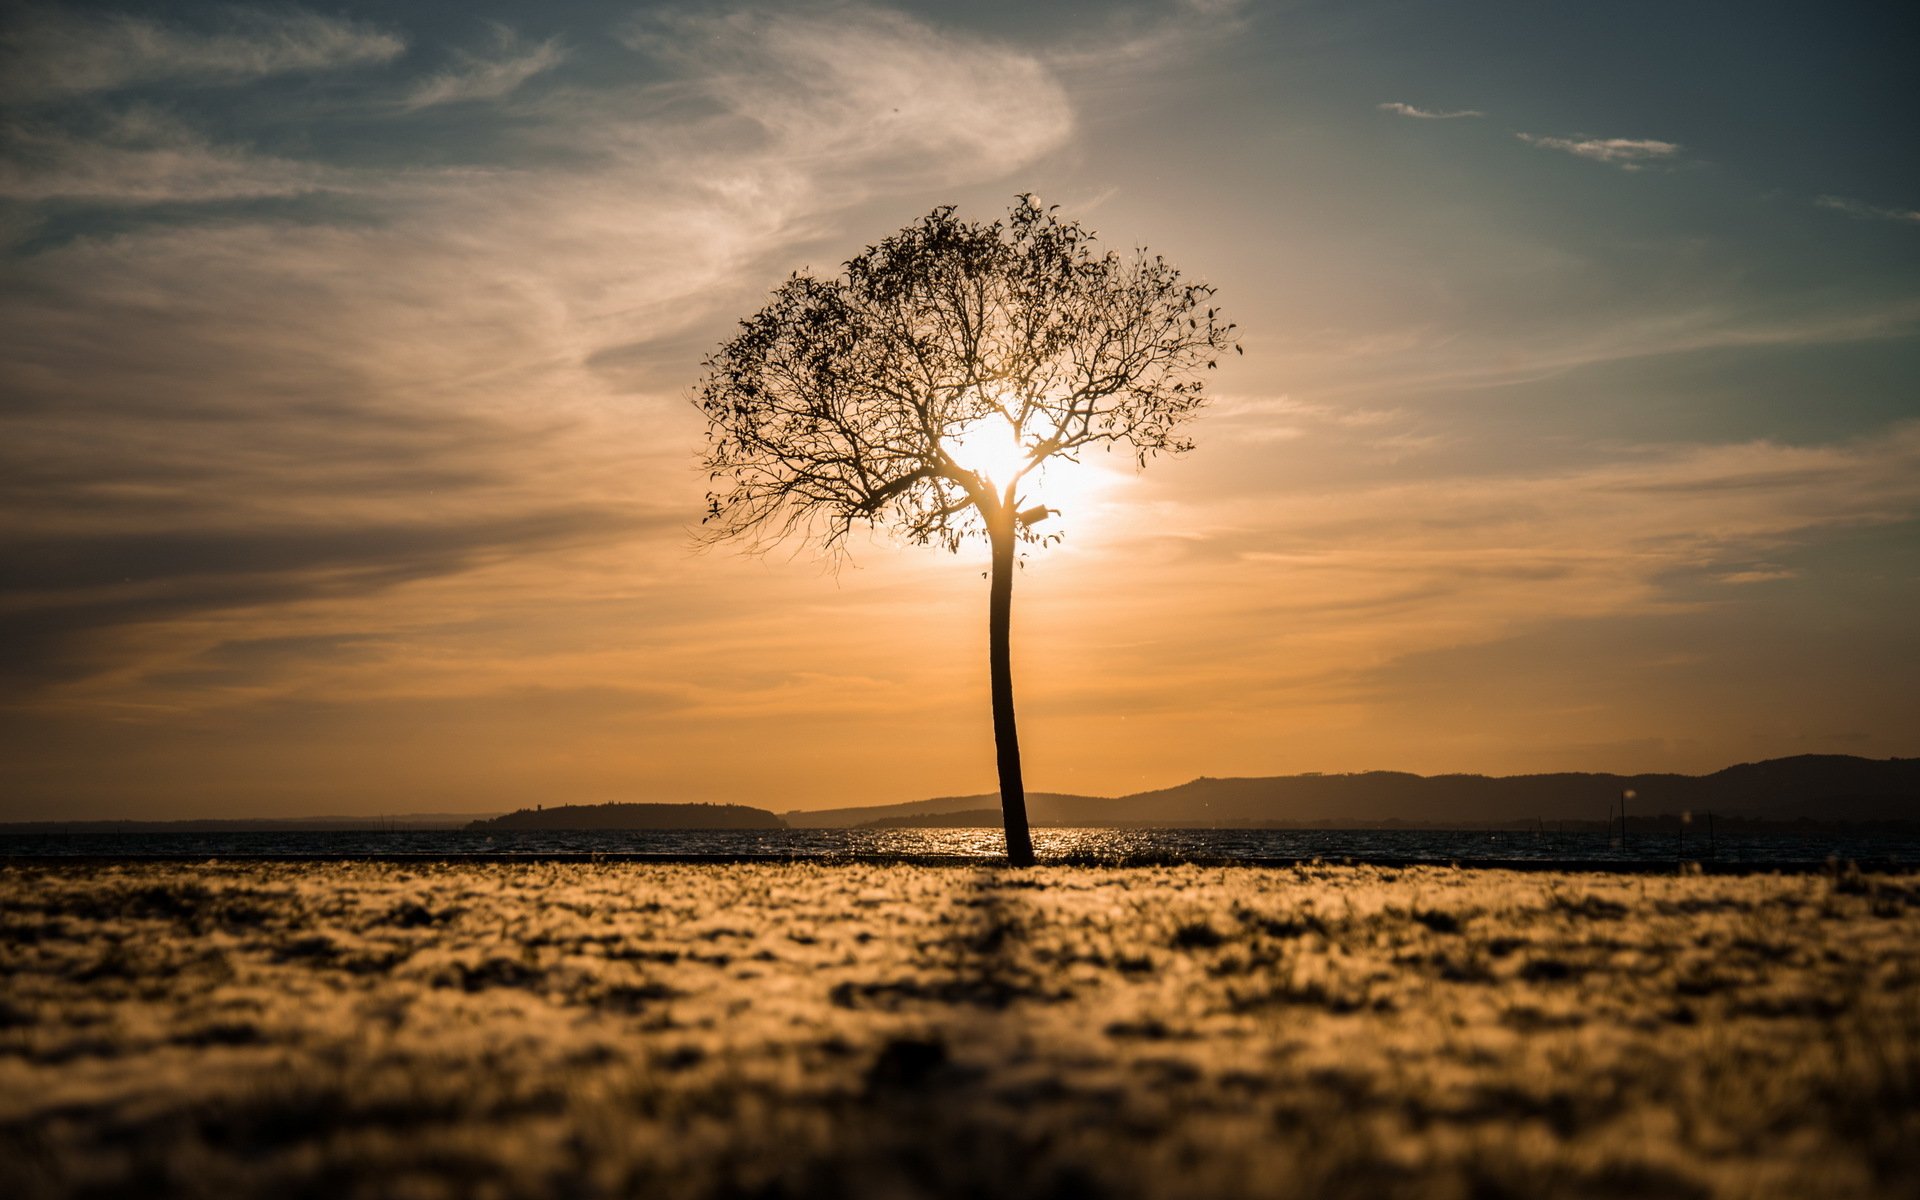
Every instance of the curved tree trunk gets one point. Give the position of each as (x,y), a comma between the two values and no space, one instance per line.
(1006,739)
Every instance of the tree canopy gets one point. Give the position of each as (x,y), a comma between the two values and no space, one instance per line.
(850,400)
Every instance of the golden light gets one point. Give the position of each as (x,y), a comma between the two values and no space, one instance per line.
(990,449)
(1071,488)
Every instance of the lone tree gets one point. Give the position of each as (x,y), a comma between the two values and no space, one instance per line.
(920,390)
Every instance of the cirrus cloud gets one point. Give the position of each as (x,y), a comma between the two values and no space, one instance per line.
(1629,154)
(52,54)
(484,77)
(1864,211)
(1407,110)
(223,417)
(142,155)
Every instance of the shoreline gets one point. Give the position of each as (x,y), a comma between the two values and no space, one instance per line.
(1570,866)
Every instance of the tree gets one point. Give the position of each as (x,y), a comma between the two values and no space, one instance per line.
(920,389)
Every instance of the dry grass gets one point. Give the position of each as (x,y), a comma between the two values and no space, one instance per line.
(663,1031)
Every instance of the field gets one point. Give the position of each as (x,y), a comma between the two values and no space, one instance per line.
(894,1031)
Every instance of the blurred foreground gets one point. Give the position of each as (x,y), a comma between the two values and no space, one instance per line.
(858,1030)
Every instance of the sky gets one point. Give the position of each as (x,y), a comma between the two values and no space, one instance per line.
(349,461)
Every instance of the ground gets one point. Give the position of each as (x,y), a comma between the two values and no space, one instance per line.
(890,1030)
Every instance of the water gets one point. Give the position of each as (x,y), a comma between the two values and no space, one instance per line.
(1784,849)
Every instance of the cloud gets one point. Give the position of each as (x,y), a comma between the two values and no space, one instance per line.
(1759,574)
(486,78)
(1525,347)
(1460,560)
(1868,212)
(64,593)
(871,85)
(143,156)
(1214,9)
(1408,110)
(1121,50)
(393,410)
(53,54)
(1629,154)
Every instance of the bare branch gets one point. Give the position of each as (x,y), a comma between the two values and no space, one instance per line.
(838,404)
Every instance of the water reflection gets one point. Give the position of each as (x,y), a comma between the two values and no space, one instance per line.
(985,844)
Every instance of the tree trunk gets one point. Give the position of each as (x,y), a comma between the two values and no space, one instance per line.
(1006,739)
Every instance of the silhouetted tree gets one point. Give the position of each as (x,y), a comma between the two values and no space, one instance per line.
(920,389)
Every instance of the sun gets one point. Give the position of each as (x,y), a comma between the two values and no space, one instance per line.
(990,449)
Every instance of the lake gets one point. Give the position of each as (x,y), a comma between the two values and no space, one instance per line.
(1789,849)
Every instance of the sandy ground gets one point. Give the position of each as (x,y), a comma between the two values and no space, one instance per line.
(882,1031)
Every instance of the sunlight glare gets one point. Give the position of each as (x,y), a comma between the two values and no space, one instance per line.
(989,448)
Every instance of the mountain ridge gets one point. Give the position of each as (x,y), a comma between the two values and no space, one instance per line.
(1829,786)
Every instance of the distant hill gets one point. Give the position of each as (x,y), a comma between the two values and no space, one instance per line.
(1821,787)
(1818,787)
(971,818)
(843,818)
(634,816)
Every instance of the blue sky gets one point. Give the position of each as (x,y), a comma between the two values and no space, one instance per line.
(346,349)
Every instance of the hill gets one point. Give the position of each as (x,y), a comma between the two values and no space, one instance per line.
(633,816)
(1052,803)
(1823,787)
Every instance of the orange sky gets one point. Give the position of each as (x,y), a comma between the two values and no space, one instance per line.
(351,461)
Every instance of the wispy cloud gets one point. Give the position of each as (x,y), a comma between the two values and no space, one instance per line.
(234,425)
(1867,212)
(488,77)
(1121,48)
(876,84)
(1214,9)
(1757,574)
(1460,560)
(1408,110)
(1629,154)
(50,54)
(143,156)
